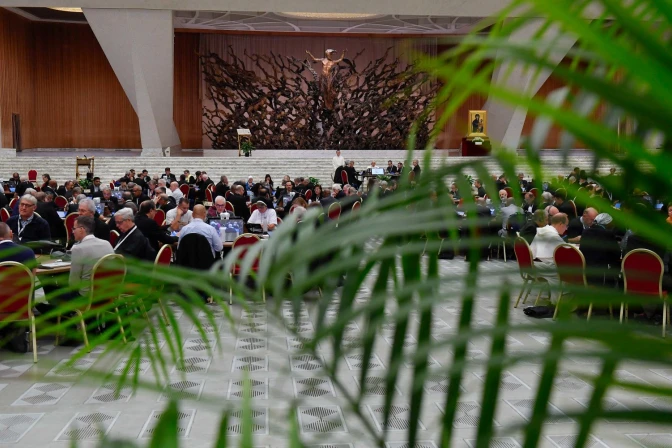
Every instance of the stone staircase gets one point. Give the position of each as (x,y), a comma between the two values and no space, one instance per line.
(113,166)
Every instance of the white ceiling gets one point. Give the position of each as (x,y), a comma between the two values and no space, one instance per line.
(268,21)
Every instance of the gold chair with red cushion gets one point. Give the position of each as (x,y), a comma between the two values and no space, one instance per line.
(159,216)
(12,202)
(208,195)
(356,206)
(344,177)
(571,270)
(229,207)
(309,194)
(240,248)
(16,292)
(643,276)
(253,207)
(4,215)
(61,202)
(184,188)
(334,211)
(32,175)
(509,192)
(535,192)
(114,237)
(108,278)
(69,223)
(527,270)
(164,257)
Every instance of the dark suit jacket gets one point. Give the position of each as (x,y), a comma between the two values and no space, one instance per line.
(22,187)
(481,192)
(202,186)
(153,232)
(575,228)
(220,190)
(170,178)
(11,251)
(352,174)
(600,250)
(528,231)
(567,209)
(140,199)
(135,245)
(326,202)
(37,230)
(47,210)
(240,206)
(102,230)
(391,169)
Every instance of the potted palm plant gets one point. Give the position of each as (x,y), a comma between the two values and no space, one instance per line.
(247,148)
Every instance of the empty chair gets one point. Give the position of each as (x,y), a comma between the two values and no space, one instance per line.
(571,270)
(184,188)
(242,243)
(334,211)
(32,175)
(643,276)
(69,223)
(61,202)
(16,292)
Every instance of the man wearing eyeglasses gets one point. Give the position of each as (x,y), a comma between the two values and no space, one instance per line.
(27,226)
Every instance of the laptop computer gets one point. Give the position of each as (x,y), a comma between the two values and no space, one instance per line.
(378,171)
(255,228)
(229,229)
(61,213)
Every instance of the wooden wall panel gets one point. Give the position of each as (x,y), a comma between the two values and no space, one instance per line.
(187,107)
(78,101)
(16,76)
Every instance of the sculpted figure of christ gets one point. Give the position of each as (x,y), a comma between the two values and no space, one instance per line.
(327,62)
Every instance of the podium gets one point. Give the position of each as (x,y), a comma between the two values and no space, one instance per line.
(87,165)
(471,149)
(243,135)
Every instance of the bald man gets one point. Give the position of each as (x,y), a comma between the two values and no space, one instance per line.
(578,225)
(199,227)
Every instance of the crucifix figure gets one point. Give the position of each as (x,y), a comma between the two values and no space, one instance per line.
(328,67)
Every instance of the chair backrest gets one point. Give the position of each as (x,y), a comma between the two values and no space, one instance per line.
(344,177)
(159,216)
(16,291)
(244,241)
(334,211)
(164,256)
(112,185)
(292,208)
(509,192)
(184,188)
(309,194)
(227,194)
(32,175)
(195,252)
(114,237)
(12,202)
(643,273)
(61,202)
(574,206)
(210,187)
(253,207)
(229,207)
(571,264)
(107,279)
(208,195)
(69,223)
(356,206)
(524,257)
(279,220)
(4,215)
(535,192)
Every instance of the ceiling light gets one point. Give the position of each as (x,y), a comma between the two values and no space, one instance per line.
(329,15)
(67,9)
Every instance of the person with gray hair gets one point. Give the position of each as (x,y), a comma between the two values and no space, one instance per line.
(26,225)
(131,242)
(87,207)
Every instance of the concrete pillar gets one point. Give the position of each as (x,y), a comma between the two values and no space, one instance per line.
(139,46)
(505,123)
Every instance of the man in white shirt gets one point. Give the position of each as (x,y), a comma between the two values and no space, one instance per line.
(543,245)
(264,215)
(197,225)
(338,159)
(175,191)
(180,216)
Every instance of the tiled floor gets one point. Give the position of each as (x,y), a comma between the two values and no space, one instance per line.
(49,404)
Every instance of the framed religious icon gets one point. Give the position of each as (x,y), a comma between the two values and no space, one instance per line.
(478,123)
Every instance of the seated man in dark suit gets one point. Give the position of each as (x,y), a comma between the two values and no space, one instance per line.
(144,220)
(109,200)
(239,201)
(96,188)
(48,212)
(138,196)
(601,251)
(222,187)
(263,196)
(88,208)
(27,226)
(131,242)
(328,199)
(9,251)
(529,230)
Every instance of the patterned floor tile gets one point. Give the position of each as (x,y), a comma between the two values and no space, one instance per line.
(418,444)
(249,363)
(183,390)
(44,394)
(109,393)
(497,442)
(375,386)
(467,414)
(321,419)
(313,387)
(568,441)
(258,389)
(524,409)
(305,363)
(399,417)
(14,426)
(68,369)
(654,440)
(259,422)
(88,426)
(14,368)
(193,364)
(356,361)
(252,343)
(185,418)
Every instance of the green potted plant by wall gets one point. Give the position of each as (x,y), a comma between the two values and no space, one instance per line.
(247,148)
